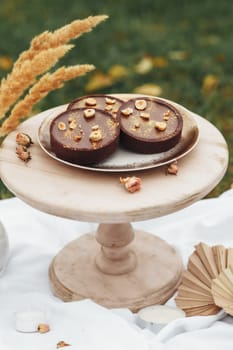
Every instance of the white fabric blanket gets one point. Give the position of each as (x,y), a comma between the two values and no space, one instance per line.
(35,237)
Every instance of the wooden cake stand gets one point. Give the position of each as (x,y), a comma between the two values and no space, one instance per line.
(117,267)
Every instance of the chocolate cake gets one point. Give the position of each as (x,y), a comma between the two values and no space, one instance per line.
(106,103)
(84,135)
(149,125)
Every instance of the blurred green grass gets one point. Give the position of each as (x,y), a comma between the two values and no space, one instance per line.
(189,43)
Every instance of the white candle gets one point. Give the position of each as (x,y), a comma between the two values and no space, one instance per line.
(28,321)
(157,316)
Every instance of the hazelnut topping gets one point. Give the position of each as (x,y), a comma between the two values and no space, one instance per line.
(23,153)
(166,115)
(127,111)
(140,104)
(96,135)
(70,119)
(110,101)
(173,168)
(73,125)
(62,344)
(89,113)
(131,183)
(61,126)
(108,108)
(161,126)
(23,139)
(43,328)
(145,115)
(77,138)
(90,101)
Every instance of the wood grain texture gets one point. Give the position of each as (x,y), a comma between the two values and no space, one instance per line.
(154,267)
(84,195)
(74,274)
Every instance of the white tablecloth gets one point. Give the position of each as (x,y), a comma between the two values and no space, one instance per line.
(35,237)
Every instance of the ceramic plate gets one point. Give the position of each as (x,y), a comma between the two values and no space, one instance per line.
(124,160)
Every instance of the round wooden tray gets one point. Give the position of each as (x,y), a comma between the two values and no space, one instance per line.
(116,270)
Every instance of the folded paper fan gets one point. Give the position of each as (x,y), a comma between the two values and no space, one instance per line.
(230,257)
(195,294)
(222,290)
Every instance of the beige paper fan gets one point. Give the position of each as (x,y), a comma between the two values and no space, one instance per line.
(194,294)
(222,290)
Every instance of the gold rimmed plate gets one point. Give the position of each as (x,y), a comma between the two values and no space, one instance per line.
(125,160)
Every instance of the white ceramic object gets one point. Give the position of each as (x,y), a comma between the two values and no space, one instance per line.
(29,320)
(4,247)
(156,317)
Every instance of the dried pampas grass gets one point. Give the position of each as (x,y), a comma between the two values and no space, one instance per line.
(21,78)
(61,36)
(40,90)
(44,52)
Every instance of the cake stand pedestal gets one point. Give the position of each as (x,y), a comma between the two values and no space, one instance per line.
(115,269)
(118,267)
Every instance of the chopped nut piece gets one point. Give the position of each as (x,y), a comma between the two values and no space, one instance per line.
(73,125)
(95,127)
(77,138)
(90,101)
(166,115)
(89,113)
(62,344)
(168,112)
(70,119)
(110,101)
(23,139)
(145,115)
(96,135)
(127,111)
(108,108)
(173,168)
(23,153)
(20,149)
(140,104)
(43,328)
(23,142)
(25,156)
(137,125)
(131,183)
(61,126)
(161,126)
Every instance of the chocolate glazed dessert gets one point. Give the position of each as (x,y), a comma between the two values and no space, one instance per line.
(84,135)
(149,125)
(106,103)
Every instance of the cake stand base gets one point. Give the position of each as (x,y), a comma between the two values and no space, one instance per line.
(74,273)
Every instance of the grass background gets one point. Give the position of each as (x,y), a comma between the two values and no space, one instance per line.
(183,48)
